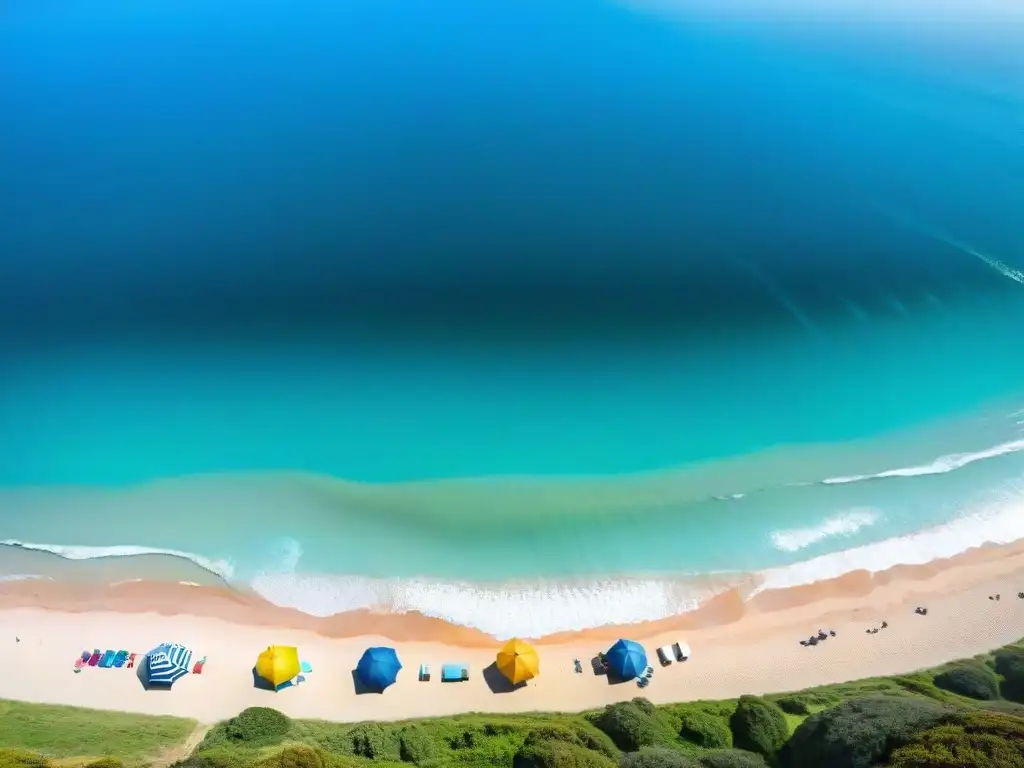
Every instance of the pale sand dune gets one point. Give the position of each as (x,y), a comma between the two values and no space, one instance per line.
(737,647)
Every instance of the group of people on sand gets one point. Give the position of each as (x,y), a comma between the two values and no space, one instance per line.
(919,610)
(821,637)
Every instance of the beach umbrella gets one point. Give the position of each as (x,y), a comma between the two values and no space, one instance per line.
(278,664)
(166,664)
(378,668)
(518,661)
(627,659)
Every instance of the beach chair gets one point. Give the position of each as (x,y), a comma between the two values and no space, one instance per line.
(665,655)
(424,673)
(454,673)
(681,650)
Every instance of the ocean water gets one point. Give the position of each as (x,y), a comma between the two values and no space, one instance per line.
(532,316)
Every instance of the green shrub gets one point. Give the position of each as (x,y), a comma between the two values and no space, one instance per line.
(1010,666)
(972,680)
(218,757)
(758,726)
(1004,707)
(922,686)
(704,730)
(16,758)
(105,762)
(644,705)
(553,732)
(969,740)
(258,726)
(375,742)
(595,740)
(857,733)
(793,705)
(732,758)
(630,727)
(296,756)
(415,745)
(657,757)
(555,753)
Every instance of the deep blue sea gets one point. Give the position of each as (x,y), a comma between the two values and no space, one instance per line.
(531,315)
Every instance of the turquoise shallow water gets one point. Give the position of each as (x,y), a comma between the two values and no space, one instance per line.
(372,309)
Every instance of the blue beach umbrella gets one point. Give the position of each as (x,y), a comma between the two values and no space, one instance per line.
(166,664)
(627,659)
(378,668)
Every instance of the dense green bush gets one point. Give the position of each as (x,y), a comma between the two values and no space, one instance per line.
(921,685)
(704,730)
(630,727)
(758,726)
(732,758)
(1005,707)
(657,757)
(793,705)
(375,742)
(596,740)
(1009,663)
(296,756)
(969,740)
(644,705)
(218,757)
(105,762)
(16,758)
(555,753)
(258,726)
(976,681)
(859,732)
(415,745)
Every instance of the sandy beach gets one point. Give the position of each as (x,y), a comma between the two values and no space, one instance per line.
(738,646)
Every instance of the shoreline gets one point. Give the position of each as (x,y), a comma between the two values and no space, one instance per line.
(246,608)
(738,647)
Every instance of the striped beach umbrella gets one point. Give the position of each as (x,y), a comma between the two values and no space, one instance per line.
(166,664)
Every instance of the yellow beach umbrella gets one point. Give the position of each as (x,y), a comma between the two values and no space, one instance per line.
(278,664)
(518,661)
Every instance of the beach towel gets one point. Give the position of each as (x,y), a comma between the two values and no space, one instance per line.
(305,667)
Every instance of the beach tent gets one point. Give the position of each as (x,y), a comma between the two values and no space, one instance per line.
(278,665)
(627,659)
(378,668)
(518,661)
(165,665)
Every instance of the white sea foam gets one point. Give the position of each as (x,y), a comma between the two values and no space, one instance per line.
(795,539)
(221,568)
(1000,521)
(528,609)
(939,466)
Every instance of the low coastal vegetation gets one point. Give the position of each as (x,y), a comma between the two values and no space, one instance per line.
(968,714)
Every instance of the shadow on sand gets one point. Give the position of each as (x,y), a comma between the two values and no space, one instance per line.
(360,687)
(140,673)
(260,683)
(497,682)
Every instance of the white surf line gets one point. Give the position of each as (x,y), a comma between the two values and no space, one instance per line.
(1004,269)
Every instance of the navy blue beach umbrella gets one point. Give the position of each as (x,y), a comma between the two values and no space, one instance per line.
(627,659)
(166,664)
(378,668)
